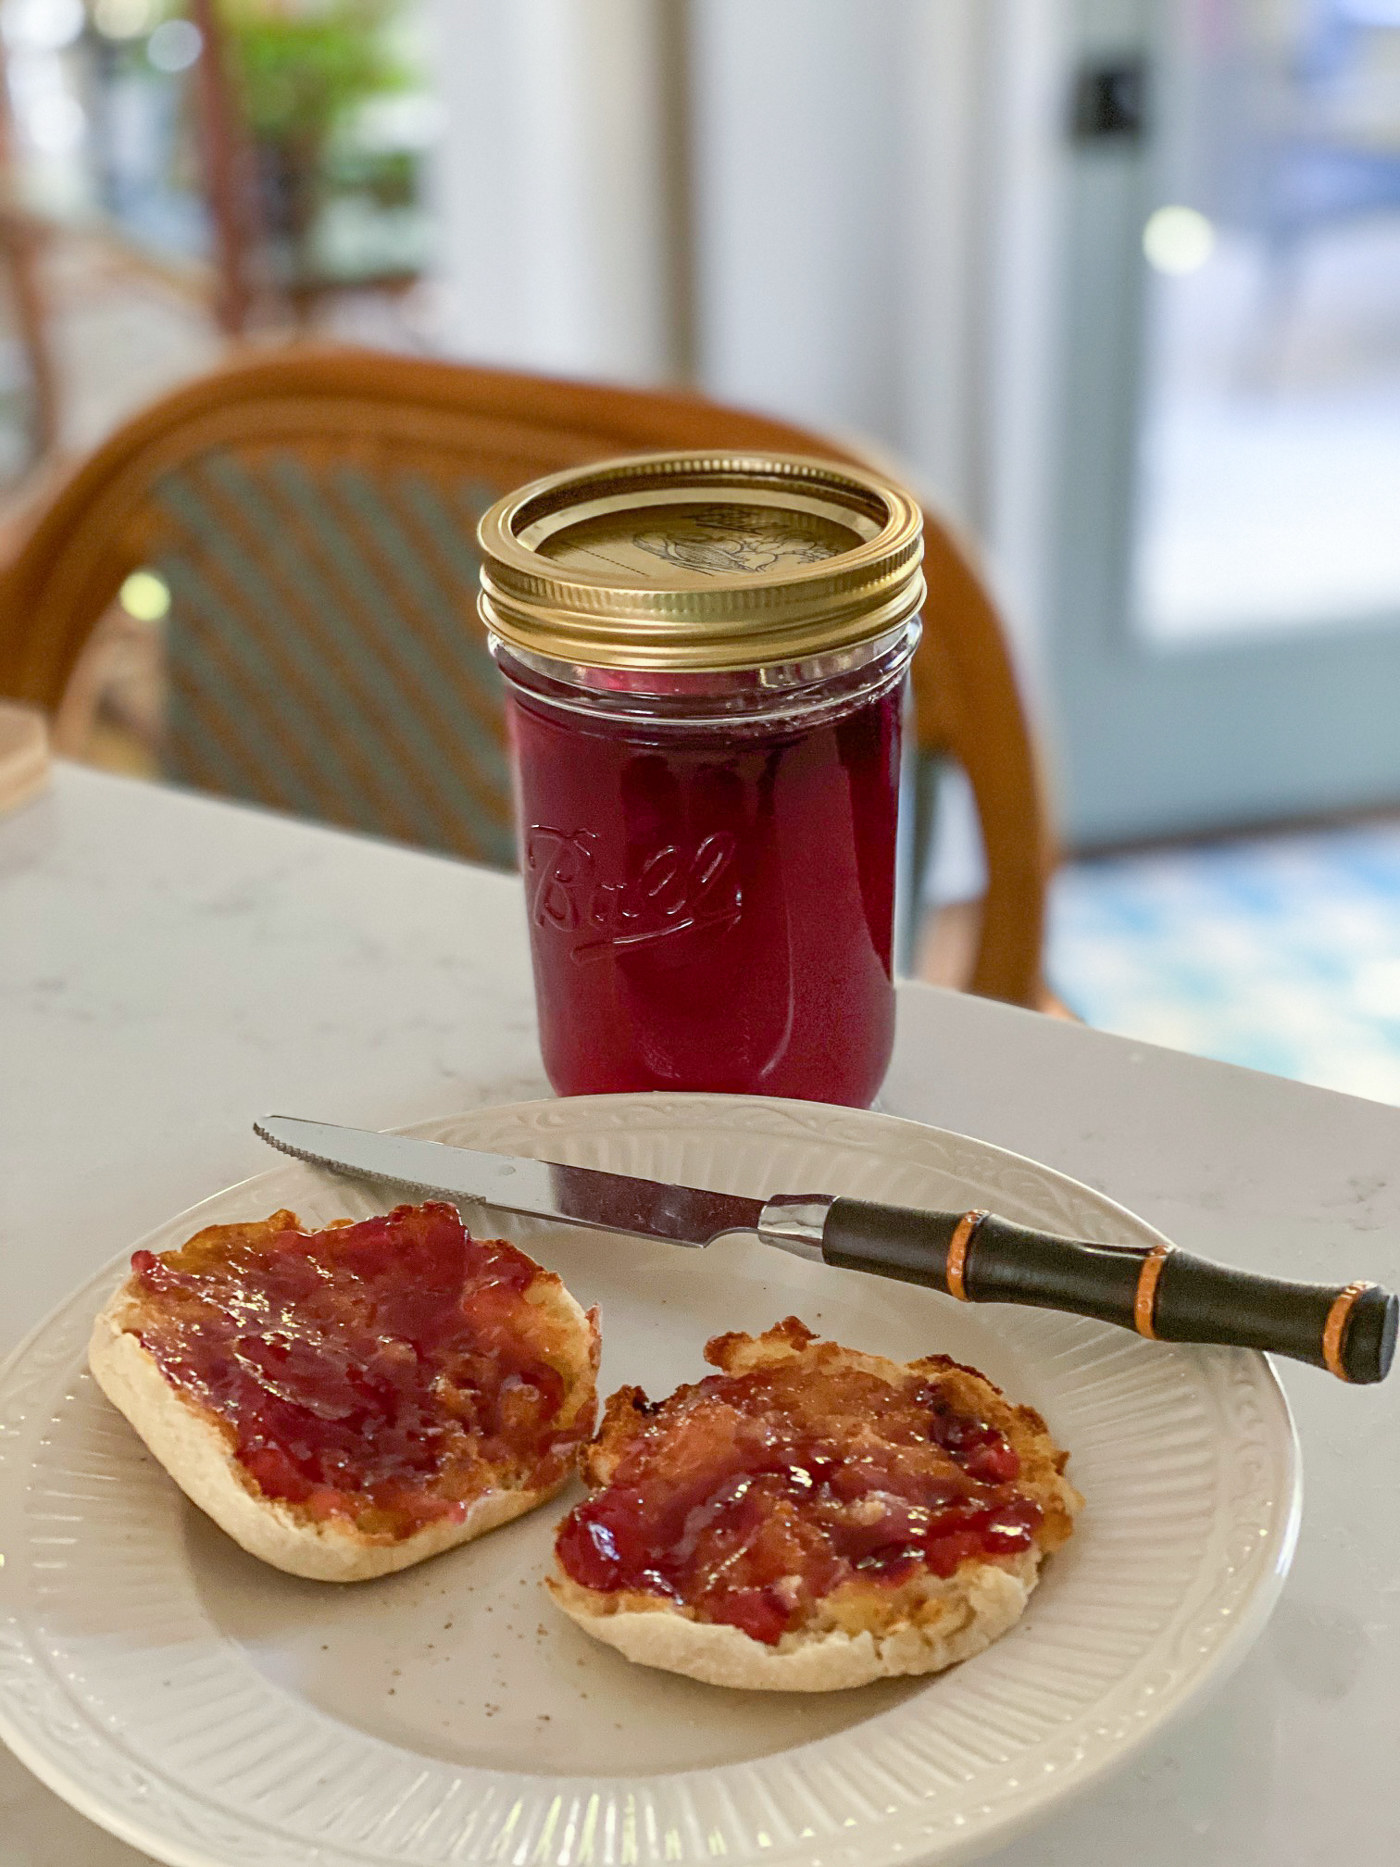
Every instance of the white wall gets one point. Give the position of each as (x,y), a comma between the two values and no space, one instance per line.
(1028,53)
(876,239)
(838,210)
(552,185)
(795,150)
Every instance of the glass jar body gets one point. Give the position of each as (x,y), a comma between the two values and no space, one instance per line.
(709,869)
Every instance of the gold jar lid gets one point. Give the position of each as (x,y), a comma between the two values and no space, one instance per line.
(700,560)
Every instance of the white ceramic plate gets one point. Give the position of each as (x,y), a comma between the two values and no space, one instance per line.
(214,1711)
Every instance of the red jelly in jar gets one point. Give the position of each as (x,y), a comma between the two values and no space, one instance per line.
(705,659)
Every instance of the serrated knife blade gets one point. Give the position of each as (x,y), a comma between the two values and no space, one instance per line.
(612,1202)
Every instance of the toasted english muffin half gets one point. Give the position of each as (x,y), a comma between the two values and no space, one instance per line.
(192,1351)
(848,1425)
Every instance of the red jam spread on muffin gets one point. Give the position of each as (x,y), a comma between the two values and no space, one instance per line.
(748,1497)
(387,1371)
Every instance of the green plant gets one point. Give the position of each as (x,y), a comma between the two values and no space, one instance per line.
(303,69)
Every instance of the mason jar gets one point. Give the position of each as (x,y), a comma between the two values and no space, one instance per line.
(704,658)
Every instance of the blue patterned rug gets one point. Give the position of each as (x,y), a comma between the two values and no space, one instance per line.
(1281,953)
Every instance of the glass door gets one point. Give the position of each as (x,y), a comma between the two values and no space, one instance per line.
(1226,585)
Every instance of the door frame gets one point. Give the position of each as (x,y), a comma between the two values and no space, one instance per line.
(1159,739)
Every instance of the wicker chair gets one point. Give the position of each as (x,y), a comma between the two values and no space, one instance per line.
(312,513)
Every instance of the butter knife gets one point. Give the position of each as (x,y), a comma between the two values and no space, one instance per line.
(1161,1292)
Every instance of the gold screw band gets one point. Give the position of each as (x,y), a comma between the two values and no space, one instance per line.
(957,1253)
(1145,1296)
(1334,1331)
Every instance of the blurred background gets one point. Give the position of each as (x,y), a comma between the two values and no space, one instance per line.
(1114,283)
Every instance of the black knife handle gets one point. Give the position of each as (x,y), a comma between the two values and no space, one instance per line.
(1164,1293)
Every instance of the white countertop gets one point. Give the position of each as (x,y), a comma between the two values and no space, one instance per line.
(170,967)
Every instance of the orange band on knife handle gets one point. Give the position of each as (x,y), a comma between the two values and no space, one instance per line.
(1145,1296)
(957,1253)
(1334,1331)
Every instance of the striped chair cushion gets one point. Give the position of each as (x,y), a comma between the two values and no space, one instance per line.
(323,652)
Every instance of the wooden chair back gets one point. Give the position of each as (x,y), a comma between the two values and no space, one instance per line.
(313,512)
